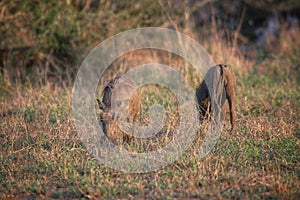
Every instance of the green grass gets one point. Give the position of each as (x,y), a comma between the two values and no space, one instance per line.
(41,155)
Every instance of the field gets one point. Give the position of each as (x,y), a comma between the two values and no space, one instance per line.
(42,156)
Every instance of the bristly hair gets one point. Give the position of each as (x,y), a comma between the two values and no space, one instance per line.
(107,91)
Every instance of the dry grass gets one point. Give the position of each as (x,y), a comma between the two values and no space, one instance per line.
(42,156)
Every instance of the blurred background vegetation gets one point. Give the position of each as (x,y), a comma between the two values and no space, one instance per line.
(47,40)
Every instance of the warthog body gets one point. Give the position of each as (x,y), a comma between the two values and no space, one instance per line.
(120,103)
(226,82)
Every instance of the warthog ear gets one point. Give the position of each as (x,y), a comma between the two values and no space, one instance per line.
(101,106)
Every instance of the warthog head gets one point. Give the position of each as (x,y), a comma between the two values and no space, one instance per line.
(120,104)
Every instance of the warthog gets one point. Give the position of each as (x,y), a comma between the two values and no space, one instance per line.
(226,81)
(120,104)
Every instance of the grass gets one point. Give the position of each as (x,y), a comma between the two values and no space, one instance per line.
(41,154)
